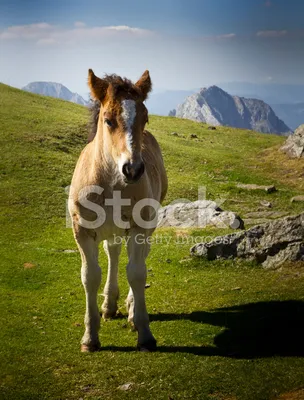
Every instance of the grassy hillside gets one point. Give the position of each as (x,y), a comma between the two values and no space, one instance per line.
(208,317)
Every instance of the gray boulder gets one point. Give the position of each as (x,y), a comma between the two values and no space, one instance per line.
(294,145)
(197,214)
(270,244)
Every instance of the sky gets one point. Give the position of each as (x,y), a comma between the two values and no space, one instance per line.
(185,44)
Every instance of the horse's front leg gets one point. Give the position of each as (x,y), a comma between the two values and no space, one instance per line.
(137,274)
(91,278)
(111,290)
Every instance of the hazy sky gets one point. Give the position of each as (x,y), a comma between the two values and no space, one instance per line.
(184,43)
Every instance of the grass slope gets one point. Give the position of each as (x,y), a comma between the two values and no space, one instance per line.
(225,330)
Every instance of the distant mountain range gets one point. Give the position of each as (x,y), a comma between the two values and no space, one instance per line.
(286,100)
(56,90)
(214,106)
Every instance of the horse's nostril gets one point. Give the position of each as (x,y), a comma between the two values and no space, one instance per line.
(126,169)
(141,169)
(133,172)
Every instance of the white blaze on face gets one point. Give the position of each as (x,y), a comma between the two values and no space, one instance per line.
(128,114)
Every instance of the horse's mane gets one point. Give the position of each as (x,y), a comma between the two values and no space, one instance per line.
(94,109)
(118,85)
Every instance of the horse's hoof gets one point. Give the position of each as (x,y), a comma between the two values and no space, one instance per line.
(109,314)
(132,325)
(148,346)
(89,348)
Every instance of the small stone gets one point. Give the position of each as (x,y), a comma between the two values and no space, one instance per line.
(126,386)
(211,128)
(193,136)
(147,285)
(268,189)
(185,260)
(168,260)
(297,199)
(174,134)
(266,203)
(237,288)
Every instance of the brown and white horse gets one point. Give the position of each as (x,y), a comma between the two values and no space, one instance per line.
(122,158)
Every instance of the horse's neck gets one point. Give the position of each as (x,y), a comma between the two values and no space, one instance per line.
(104,165)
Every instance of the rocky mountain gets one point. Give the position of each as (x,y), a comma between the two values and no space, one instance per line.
(214,106)
(54,89)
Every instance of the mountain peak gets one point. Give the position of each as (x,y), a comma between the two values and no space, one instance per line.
(214,106)
(54,89)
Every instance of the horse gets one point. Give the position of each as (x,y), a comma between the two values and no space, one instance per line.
(122,169)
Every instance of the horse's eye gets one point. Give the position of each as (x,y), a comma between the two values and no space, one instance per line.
(108,122)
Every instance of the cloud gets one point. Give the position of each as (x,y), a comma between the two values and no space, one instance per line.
(31,31)
(46,34)
(272,34)
(79,24)
(225,36)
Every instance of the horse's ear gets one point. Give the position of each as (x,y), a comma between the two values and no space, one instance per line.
(98,86)
(144,84)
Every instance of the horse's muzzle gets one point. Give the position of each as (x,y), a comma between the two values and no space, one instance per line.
(133,171)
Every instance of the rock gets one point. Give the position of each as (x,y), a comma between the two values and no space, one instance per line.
(198,214)
(126,386)
(193,136)
(297,199)
(266,203)
(172,113)
(174,134)
(211,128)
(268,189)
(270,244)
(294,145)
(215,107)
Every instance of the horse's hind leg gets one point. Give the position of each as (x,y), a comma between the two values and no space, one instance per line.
(111,290)
(91,278)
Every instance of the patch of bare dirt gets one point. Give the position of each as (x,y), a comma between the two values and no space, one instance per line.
(296,395)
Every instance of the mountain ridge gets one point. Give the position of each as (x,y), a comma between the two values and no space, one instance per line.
(214,106)
(56,90)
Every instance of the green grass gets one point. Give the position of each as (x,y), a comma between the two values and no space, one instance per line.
(225,330)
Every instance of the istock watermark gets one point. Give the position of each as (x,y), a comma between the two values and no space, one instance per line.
(147,212)
(156,239)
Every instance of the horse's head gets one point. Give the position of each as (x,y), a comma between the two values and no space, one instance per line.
(122,119)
